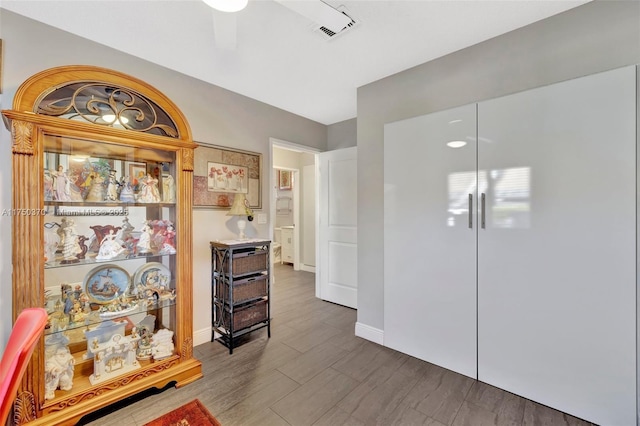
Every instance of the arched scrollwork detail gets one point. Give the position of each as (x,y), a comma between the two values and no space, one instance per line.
(22,137)
(187,160)
(187,349)
(108,105)
(24,408)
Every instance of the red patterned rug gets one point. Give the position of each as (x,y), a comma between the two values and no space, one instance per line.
(191,414)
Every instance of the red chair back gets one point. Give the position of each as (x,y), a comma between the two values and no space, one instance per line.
(22,341)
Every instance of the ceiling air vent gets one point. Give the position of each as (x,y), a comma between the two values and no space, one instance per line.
(330,34)
(327,20)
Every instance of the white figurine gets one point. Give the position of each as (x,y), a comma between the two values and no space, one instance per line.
(71,248)
(58,367)
(162,344)
(51,243)
(148,190)
(112,187)
(110,247)
(61,187)
(98,364)
(131,353)
(168,189)
(144,242)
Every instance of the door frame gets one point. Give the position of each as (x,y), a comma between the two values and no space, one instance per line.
(292,146)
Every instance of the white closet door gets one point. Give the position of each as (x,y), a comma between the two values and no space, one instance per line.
(429,243)
(556,262)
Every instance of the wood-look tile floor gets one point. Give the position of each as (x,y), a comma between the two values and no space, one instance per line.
(314,371)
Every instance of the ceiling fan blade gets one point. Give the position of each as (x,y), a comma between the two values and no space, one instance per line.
(225,29)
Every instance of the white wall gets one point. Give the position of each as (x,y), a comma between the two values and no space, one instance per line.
(597,36)
(217,116)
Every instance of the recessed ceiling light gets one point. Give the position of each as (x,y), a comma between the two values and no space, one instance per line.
(456,144)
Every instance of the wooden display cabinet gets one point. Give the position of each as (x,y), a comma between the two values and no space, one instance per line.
(97,251)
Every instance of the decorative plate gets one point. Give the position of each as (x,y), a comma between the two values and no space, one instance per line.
(106,283)
(152,275)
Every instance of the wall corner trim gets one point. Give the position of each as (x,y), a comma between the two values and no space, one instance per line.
(372,334)
(202,336)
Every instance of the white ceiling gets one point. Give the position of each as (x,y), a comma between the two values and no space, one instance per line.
(278,58)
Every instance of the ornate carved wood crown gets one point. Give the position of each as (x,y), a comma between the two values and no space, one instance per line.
(104,97)
(108,105)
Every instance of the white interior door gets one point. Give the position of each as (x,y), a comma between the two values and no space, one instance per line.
(337,265)
(429,238)
(557,260)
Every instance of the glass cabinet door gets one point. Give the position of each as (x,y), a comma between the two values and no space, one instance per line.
(109,260)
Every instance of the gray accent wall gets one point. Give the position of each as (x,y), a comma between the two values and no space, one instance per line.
(216,115)
(342,135)
(595,37)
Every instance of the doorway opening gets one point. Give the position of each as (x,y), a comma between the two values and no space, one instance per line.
(293,204)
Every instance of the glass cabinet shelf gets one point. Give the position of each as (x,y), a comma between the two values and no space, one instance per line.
(94,318)
(93,261)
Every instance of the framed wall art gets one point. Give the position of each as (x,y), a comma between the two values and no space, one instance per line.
(284,179)
(220,173)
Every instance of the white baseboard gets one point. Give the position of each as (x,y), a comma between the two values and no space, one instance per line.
(201,336)
(307,268)
(372,334)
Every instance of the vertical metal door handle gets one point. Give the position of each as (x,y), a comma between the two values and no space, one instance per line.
(482,202)
(470,211)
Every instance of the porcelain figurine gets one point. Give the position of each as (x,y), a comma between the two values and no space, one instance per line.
(144,350)
(83,247)
(162,344)
(112,187)
(96,189)
(127,229)
(71,247)
(168,244)
(126,190)
(51,242)
(58,369)
(61,185)
(74,190)
(144,242)
(60,231)
(100,231)
(98,364)
(168,189)
(110,247)
(148,190)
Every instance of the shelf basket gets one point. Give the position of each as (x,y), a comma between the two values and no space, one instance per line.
(247,315)
(248,261)
(248,288)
